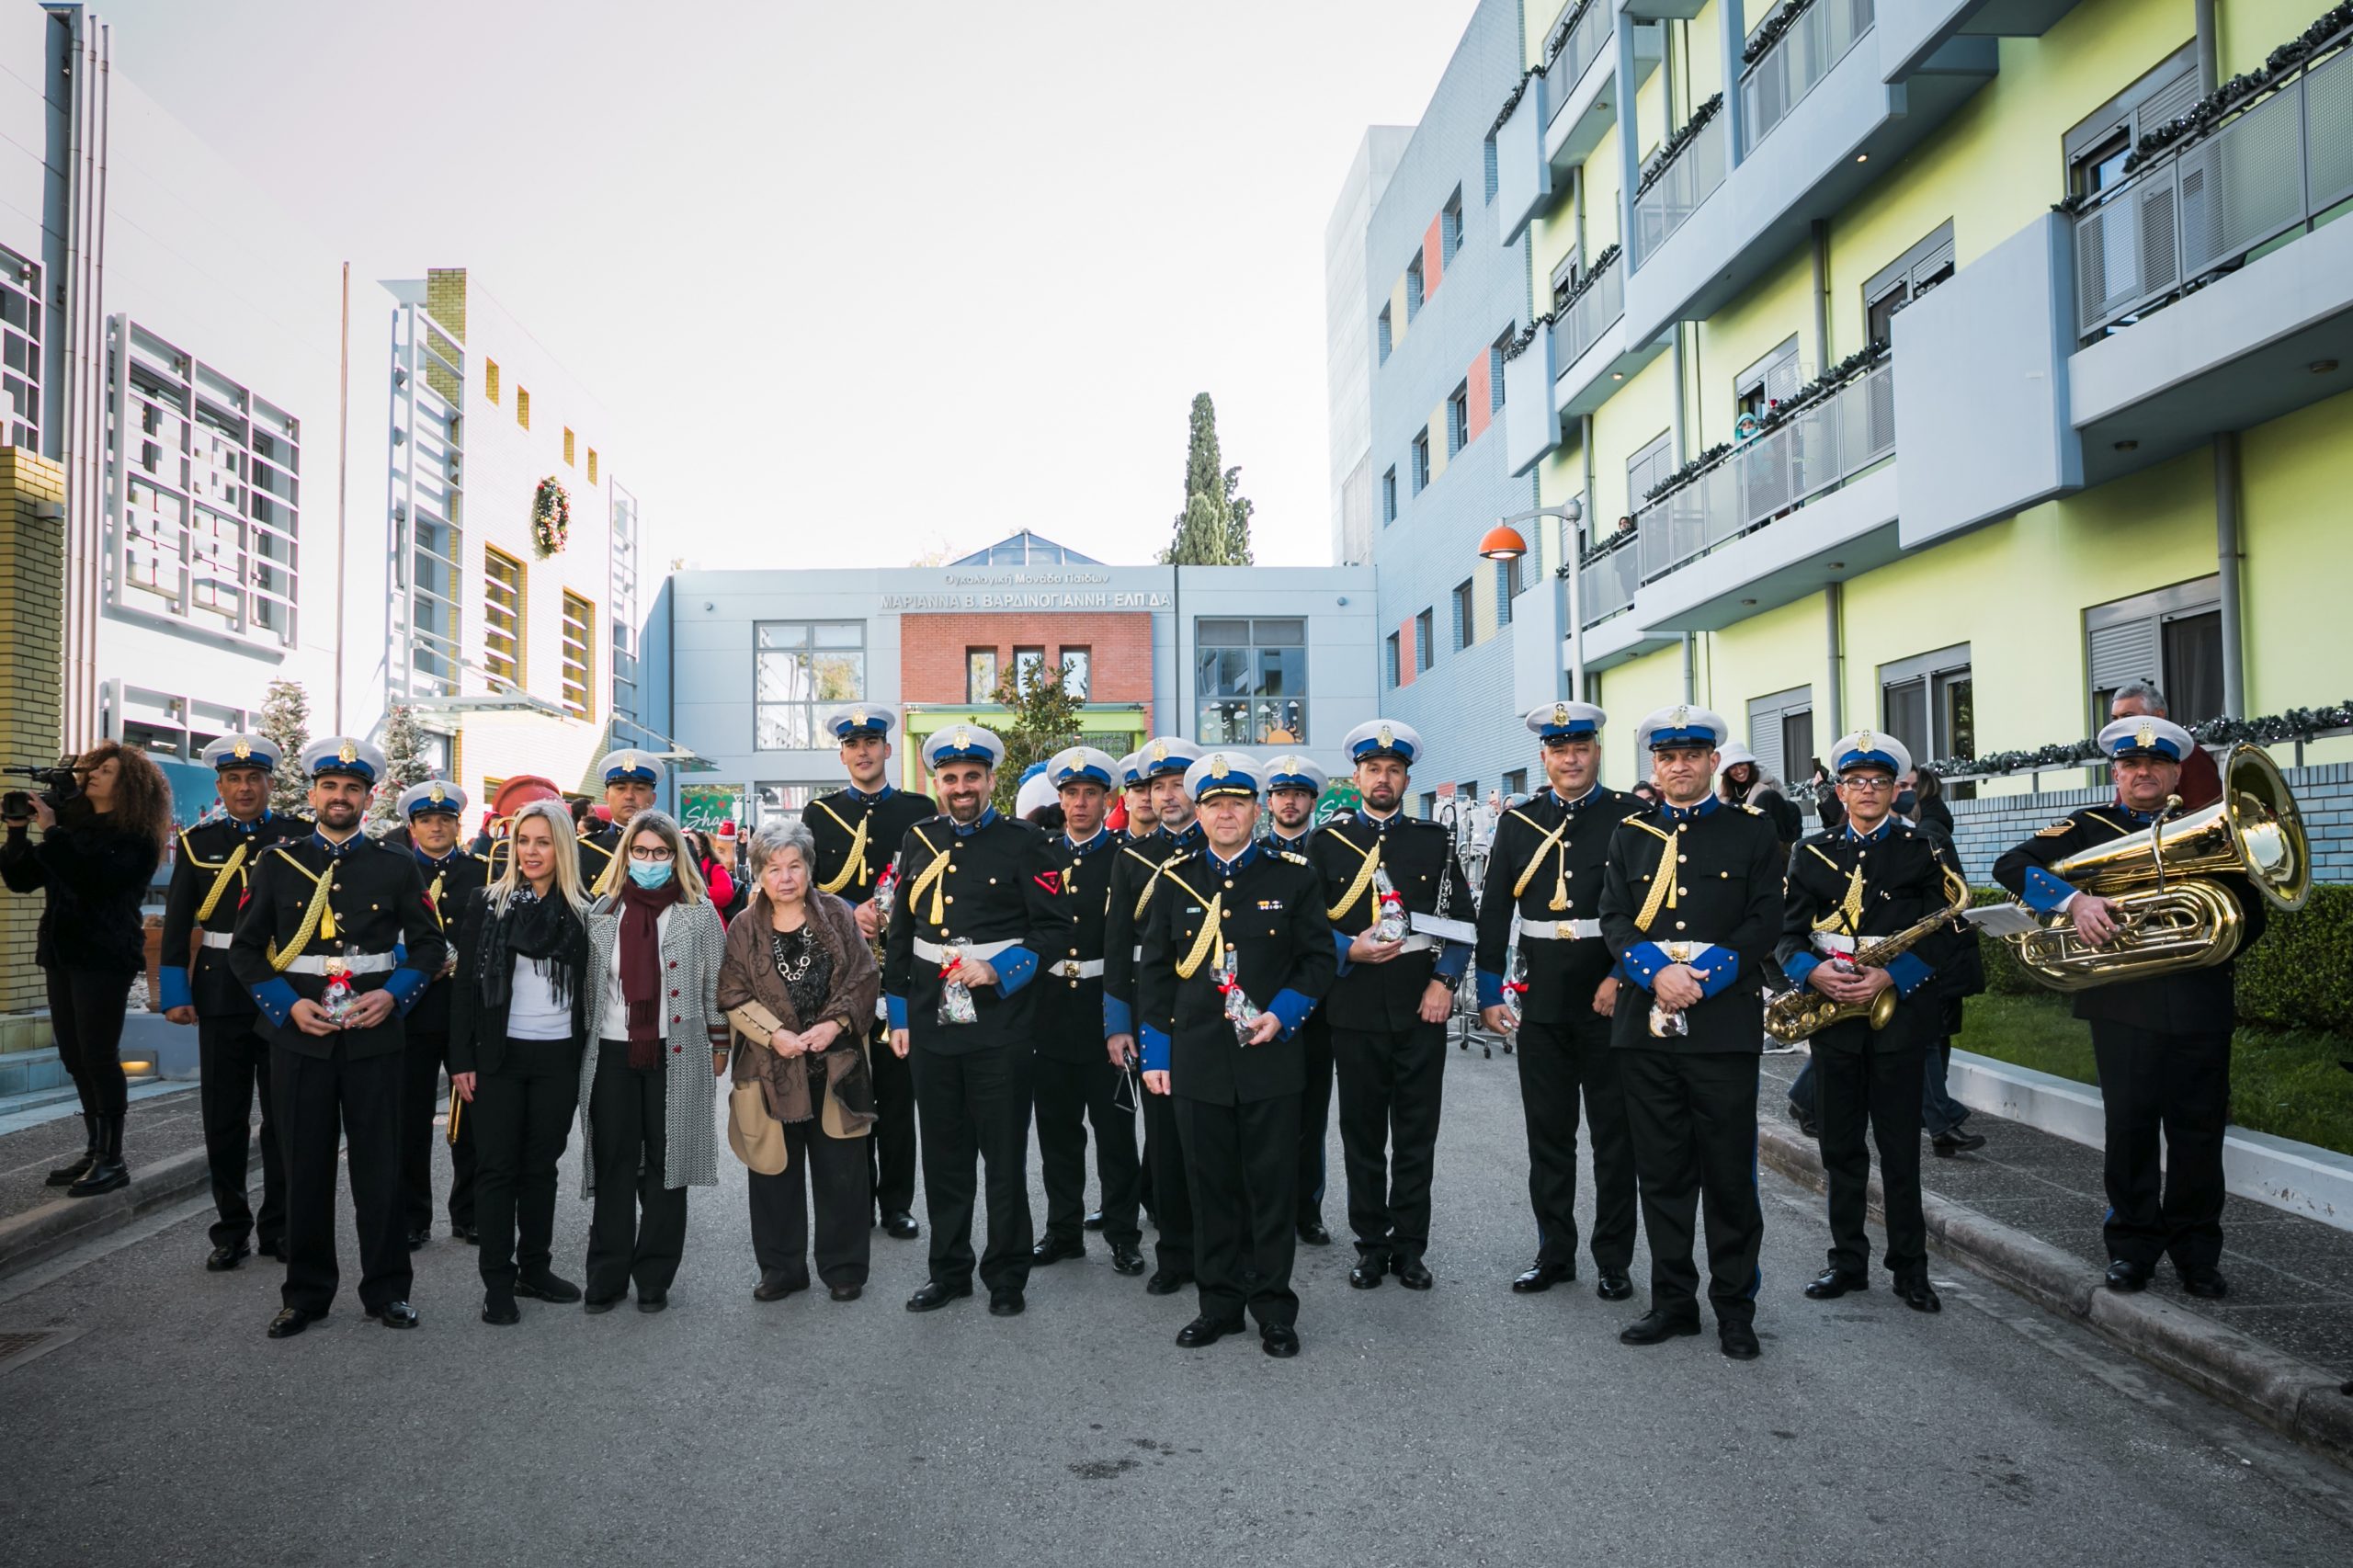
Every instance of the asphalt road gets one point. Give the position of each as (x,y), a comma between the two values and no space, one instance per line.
(1467,1425)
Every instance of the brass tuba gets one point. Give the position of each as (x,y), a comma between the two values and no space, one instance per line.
(2173,915)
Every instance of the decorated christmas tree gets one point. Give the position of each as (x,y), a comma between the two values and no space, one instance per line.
(405,763)
(286,723)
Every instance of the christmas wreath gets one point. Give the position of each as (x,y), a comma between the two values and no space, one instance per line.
(551,516)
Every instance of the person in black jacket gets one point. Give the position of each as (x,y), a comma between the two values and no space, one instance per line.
(96,855)
(517,1025)
(1294,784)
(2162,1041)
(432,810)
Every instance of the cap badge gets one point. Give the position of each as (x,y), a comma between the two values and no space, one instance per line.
(628,761)
(1682,716)
(1388,737)
(1560,713)
(1217,764)
(437,794)
(348,752)
(963,737)
(858,718)
(2146,735)
(1160,751)
(241,751)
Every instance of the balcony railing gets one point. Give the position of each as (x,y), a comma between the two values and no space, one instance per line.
(1603,301)
(1589,31)
(1607,579)
(1792,63)
(2275,168)
(1813,451)
(1661,207)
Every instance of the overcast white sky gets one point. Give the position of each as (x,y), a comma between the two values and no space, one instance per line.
(857,278)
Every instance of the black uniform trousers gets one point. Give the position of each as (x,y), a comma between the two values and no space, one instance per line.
(325,1103)
(521,1120)
(890,1143)
(2179,1084)
(1559,1064)
(1172,1194)
(1390,1088)
(233,1064)
(1069,1097)
(1693,1120)
(974,1105)
(1852,1083)
(833,1174)
(422,1059)
(1314,1117)
(1242,1170)
(637,1229)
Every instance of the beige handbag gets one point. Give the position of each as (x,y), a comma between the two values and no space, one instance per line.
(756,1137)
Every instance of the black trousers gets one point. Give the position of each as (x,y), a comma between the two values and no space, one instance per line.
(1390,1087)
(1067,1097)
(323,1103)
(1315,1118)
(521,1120)
(1172,1196)
(1242,1169)
(232,1065)
(835,1173)
(2180,1085)
(422,1059)
(1854,1084)
(85,1015)
(891,1142)
(1693,1121)
(1560,1064)
(975,1110)
(637,1229)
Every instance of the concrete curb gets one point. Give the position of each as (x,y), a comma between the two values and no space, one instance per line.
(2291,1397)
(42,1233)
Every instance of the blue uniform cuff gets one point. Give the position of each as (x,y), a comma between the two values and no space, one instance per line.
(1490,990)
(1799,967)
(1452,960)
(1014,967)
(1291,1009)
(174,981)
(2045,893)
(1155,1049)
(1341,939)
(275,997)
(1717,968)
(1118,1017)
(406,985)
(1908,972)
(400,953)
(1643,961)
(897,1008)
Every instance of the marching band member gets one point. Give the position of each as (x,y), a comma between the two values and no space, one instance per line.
(631,778)
(1692,905)
(433,813)
(1293,785)
(1544,875)
(1135,795)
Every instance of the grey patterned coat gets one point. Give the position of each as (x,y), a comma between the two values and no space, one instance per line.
(693,942)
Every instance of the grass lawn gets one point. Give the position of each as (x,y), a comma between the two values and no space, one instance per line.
(2288,1084)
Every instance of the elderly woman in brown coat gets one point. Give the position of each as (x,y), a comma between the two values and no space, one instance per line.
(800,983)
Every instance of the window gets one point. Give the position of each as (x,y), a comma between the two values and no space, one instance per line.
(502,616)
(1450,227)
(1413,287)
(1424,635)
(1396,668)
(21,314)
(1458,418)
(1894,287)
(1383,332)
(592,465)
(1771,379)
(800,669)
(1466,626)
(1029,669)
(1250,679)
(523,407)
(1565,278)
(579,657)
(490,380)
(1429,805)
(2095,149)
(1927,703)
(1489,158)
(568,448)
(1515,782)
(1497,352)
(2172,637)
(1510,577)
(1781,732)
(1389,496)
(979,676)
(775,804)
(1079,673)
(1421,462)
(1649,469)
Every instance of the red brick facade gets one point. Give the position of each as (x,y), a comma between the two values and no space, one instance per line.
(932,650)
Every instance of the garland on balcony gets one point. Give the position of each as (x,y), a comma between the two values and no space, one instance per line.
(551,516)
(1560,38)
(1814,391)
(1511,99)
(1774,26)
(1665,156)
(2204,116)
(1593,271)
(2272,729)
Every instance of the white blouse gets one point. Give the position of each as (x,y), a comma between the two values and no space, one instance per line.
(615,1025)
(533,1010)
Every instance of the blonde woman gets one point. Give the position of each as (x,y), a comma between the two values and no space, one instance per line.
(658,1041)
(517,1019)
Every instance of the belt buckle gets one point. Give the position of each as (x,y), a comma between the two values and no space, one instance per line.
(333,967)
(1564,930)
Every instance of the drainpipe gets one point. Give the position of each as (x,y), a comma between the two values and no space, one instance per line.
(1690,687)
(1835,707)
(2228,554)
(1682,450)
(1822,295)
(1733,37)
(2210,73)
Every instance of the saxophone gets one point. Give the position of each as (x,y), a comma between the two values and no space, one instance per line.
(1796,1014)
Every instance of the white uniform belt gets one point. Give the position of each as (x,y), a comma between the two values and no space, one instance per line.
(932,952)
(1556,930)
(1830,942)
(1137,957)
(1076,968)
(350,963)
(219,938)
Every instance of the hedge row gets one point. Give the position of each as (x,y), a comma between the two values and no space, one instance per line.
(2300,976)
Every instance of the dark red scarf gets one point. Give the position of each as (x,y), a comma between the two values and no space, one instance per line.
(641,965)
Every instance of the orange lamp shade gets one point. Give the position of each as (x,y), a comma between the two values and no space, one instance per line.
(1503,543)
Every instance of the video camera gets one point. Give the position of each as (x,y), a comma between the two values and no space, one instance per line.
(59,783)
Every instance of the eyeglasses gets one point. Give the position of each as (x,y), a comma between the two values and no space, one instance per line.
(652,852)
(1867,783)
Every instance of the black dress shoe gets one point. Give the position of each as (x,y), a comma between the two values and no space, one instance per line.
(1738,1340)
(1053,1250)
(546,1287)
(2205,1283)
(1919,1295)
(900,1226)
(395,1314)
(1278,1340)
(776,1287)
(1166,1282)
(1830,1284)
(1127,1257)
(931,1295)
(1413,1274)
(227,1255)
(1313,1232)
(1806,1122)
(1006,1303)
(67,1175)
(2127,1276)
(1614,1284)
(1957,1142)
(419,1237)
(498,1309)
(275,1251)
(1540,1276)
(470,1234)
(292,1321)
(1206,1330)
(845,1293)
(1656,1328)
(652,1301)
(1372,1266)
(594,1307)
(1094,1222)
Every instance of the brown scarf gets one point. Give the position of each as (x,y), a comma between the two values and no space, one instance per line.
(641,965)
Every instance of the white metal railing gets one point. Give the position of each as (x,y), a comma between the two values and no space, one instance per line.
(1799,59)
(1578,51)
(1815,449)
(1575,329)
(1607,579)
(1672,198)
(2276,168)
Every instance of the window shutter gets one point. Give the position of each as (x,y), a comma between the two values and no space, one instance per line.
(1781,379)
(1764,740)
(2168,102)
(1939,258)
(2124,652)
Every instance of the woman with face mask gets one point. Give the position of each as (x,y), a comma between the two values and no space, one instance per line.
(657,1040)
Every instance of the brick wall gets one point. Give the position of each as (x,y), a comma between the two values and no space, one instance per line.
(33,662)
(1983,829)
(932,650)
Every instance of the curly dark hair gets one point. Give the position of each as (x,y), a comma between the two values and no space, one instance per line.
(143,797)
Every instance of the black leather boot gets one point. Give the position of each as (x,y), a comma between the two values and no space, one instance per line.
(66,1176)
(107,1171)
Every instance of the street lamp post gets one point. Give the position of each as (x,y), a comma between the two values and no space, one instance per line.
(1504,542)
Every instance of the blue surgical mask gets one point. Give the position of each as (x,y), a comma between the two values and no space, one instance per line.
(649,873)
(1905,802)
